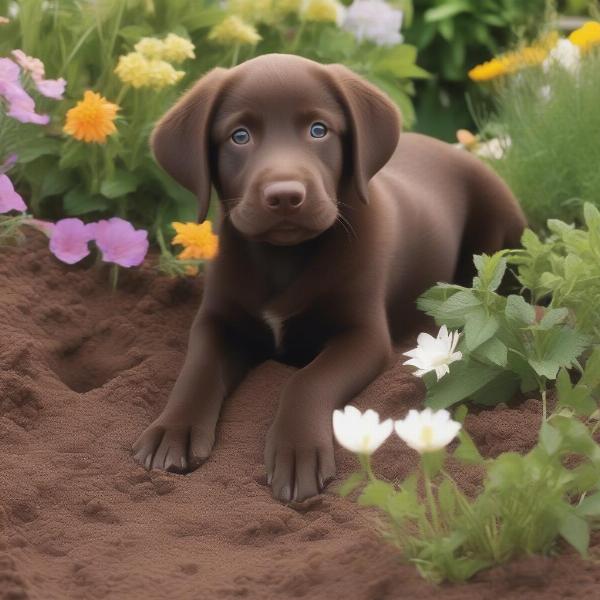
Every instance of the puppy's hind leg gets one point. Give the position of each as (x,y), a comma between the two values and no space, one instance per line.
(495,220)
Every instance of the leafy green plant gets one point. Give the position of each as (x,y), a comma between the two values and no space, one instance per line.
(507,343)
(526,504)
(563,269)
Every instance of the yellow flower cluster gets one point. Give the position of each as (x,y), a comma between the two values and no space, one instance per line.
(198,241)
(511,62)
(234,30)
(587,36)
(91,119)
(150,64)
(174,48)
(137,70)
(323,11)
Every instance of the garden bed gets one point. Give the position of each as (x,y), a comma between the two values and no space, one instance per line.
(83,371)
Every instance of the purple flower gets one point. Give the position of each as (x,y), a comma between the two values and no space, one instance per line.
(8,163)
(21,105)
(9,72)
(120,243)
(51,88)
(69,240)
(9,199)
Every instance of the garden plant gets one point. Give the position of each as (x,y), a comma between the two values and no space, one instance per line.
(82,84)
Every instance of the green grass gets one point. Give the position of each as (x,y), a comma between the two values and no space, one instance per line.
(553,164)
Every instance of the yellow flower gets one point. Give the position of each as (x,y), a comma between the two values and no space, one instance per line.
(92,119)
(137,70)
(176,49)
(150,48)
(325,11)
(497,67)
(199,241)
(234,31)
(191,270)
(252,11)
(4,20)
(587,36)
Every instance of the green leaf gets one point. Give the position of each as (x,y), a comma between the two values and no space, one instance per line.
(432,462)
(120,184)
(560,348)
(553,317)
(576,530)
(376,493)
(490,270)
(501,389)
(517,364)
(518,311)
(73,154)
(550,439)
(350,484)
(452,312)
(494,351)
(577,398)
(446,10)
(40,147)
(460,414)
(479,328)
(447,498)
(462,381)
(79,202)
(467,450)
(590,506)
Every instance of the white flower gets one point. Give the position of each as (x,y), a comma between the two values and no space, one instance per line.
(427,431)
(566,54)
(374,20)
(434,354)
(358,432)
(546,93)
(494,148)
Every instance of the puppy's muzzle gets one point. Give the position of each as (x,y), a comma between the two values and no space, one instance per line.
(284,198)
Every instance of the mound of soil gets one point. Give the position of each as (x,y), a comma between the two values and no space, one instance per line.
(83,371)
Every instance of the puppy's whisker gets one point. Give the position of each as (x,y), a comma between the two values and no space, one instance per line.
(347,225)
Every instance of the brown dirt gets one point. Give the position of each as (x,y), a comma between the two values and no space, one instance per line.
(81,374)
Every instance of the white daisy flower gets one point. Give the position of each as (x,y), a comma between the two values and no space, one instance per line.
(427,431)
(361,433)
(434,354)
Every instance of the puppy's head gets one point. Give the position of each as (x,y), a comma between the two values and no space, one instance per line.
(278,137)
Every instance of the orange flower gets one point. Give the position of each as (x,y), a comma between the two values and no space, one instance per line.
(199,241)
(92,119)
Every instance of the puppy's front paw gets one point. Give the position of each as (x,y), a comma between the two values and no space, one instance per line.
(299,465)
(174,447)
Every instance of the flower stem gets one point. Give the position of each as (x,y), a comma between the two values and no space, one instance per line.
(114,276)
(544,405)
(365,463)
(433,509)
(236,55)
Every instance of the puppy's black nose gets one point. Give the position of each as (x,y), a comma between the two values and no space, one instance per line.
(284,197)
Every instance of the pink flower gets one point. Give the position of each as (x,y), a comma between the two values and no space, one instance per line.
(9,72)
(9,199)
(69,240)
(33,65)
(21,105)
(51,88)
(120,243)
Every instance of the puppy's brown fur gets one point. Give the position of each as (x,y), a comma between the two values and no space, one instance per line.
(325,242)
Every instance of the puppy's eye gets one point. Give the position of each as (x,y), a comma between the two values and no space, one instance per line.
(240,136)
(318,130)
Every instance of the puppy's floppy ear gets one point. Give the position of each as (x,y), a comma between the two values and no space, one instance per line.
(180,141)
(375,122)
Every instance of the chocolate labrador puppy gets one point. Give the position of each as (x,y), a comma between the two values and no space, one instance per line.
(331,223)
